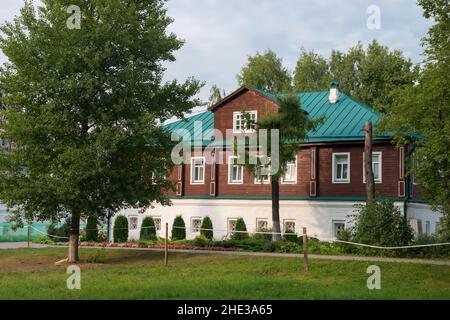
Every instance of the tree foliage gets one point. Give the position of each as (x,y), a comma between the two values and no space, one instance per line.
(178,229)
(120,230)
(215,95)
(311,72)
(369,74)
(421,112)
(381,223)
(265,71)
(84,107)
(148,230)
(206,228)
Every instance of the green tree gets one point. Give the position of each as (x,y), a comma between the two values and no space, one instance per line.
(292,125)
(206,228)
(265,71)
(92,229)
(242,228)
(311,72)
(148,230)
(371,75)
(120,231)
(215,95)
(422,110)
(178,229)
(84,107)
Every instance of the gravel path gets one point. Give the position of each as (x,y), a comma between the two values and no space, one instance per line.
(20,245)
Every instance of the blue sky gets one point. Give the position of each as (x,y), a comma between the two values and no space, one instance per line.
(220,34)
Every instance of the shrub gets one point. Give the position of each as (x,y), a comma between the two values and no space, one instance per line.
(148,230)
(207,224)
(263,236)
(92,229)
(43,240)
(240,226)
(291,236)
(120,232)
(381,224)
(178,229)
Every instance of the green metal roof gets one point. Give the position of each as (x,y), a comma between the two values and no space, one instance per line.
(344,120)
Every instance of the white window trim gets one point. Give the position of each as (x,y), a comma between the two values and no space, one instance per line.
(160,225)
(137,223)
(380,181)
(296,175)
(228,224)
(261,219)
(334,168)
(337,221)
(192,170)
(289,220)
(263,180)
(229,172)
(255,112)
(192,225)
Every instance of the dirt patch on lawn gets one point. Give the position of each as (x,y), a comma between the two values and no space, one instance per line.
(99,258)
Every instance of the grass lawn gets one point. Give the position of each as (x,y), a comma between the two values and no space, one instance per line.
(31,274)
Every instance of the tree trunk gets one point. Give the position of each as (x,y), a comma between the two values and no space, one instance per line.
(74,237)
(370,181)
(276,209)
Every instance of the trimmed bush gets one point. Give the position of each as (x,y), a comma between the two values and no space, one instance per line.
(240,226)
(148,230)
(178,229)
(92,229)
(120,232)
(207,224)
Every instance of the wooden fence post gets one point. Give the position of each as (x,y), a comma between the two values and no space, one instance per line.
(166,251)
(305,251)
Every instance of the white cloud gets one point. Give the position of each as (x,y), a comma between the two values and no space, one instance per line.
(220,34)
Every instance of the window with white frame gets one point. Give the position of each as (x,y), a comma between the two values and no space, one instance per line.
(261,176)
(198,170)
(157,221)
(290,176)
(235,171)
(338,227)
(341,167)
(239,122)
(377,159)
(232,225)
(133,223)
(196,224)
(289,226)
(262,225)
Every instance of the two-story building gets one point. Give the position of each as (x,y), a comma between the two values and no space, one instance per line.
(319,189)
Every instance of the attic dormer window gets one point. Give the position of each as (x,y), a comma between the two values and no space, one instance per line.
(239,125)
